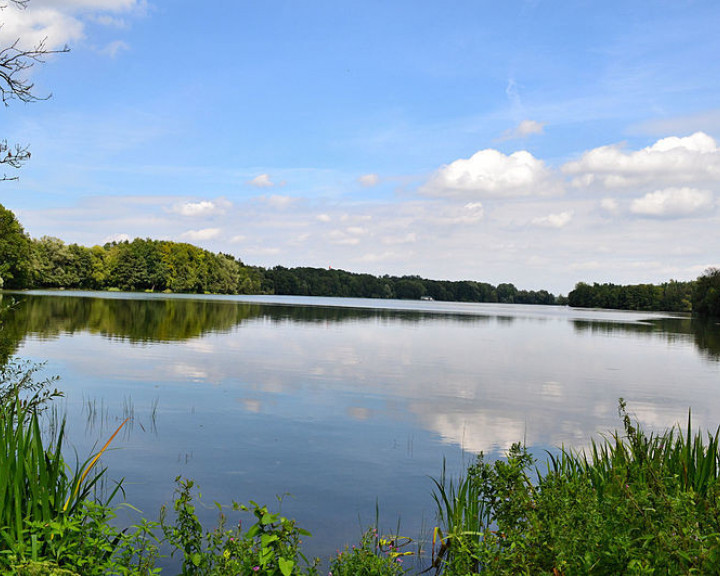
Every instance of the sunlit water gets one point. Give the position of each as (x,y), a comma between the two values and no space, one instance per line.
(342,403)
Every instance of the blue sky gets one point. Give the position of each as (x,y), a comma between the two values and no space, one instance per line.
(539,143)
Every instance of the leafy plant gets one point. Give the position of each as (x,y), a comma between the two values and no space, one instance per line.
(269,547)
(18,380)
(375,556)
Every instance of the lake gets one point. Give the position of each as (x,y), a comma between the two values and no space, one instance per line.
(346,404)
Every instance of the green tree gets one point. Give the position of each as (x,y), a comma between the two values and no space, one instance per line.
(506,293)
(706,294)
(15,252)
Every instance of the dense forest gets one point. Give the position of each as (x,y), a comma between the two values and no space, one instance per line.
(165,266)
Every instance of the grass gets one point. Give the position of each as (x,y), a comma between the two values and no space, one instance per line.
(633,503)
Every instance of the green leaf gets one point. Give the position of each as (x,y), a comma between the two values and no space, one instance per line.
(267,539)
(268,518)
(286,566)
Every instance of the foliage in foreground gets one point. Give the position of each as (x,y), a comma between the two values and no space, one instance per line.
(632,504)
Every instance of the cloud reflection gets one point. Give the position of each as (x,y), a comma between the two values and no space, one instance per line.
(479,380)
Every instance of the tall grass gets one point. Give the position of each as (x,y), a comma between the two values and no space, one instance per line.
(37,486)
(632,503)
(690,460)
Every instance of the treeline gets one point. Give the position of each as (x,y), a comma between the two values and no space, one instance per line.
(161,265)
(329,282)
(154,265)
(701,296)
(672,296)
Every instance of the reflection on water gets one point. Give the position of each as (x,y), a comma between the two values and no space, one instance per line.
(341,402)
(705,334)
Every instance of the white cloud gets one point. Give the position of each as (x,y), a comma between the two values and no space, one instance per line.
(554,220)
(202,208)
(369,180)
(343,238)
(409,238)
(524,129)
(278,201)
(60,22)
(609,204)
(262,181)
(492,173)
(673,202)
(324,217)
(695,158)
(199,235)
(116,238)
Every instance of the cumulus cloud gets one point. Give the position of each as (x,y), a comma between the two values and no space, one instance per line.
(369,180)
(554,220)
(492,173)
(673,202)
(695,158)
(59,22)
(471,212)
(324,217)
(199,235)
(262,181)
(201,208)
(524,129)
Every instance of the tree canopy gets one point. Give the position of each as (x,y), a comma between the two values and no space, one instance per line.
(15,261)
(672,296)
(706,294)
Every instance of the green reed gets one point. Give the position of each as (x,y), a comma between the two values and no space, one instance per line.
(632,503)
(37,486)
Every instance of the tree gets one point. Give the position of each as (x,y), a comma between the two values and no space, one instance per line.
(15,84)
(14,252)
(706,294)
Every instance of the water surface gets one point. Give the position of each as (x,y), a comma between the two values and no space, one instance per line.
(345,403)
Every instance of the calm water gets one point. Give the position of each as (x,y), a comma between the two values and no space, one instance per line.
(347,403)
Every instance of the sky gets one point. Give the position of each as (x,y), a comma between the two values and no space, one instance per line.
(536,142)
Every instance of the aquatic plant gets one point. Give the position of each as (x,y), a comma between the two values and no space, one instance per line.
(633,503)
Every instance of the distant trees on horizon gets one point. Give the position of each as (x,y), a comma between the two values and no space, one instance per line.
(162,265)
